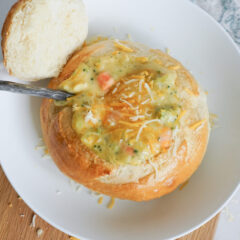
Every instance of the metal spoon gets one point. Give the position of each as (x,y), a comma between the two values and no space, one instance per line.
(34,91)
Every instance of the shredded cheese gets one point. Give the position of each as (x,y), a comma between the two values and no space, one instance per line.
(33,221)
(114,90)
(197,124)
(131,81)
(159,62)
(115,53)
(142,59)
(175,67)
(129,130)
(73,238)
(75,107)
(149,91)
(137,124)
(89,117)
(140,85)
(129,104)
(123,48)
(144,125)
(154,168)
(131,94)
(100,200)
(146,101)
(135,118)
(124,95)
(189,91)
(182,114)
(111,203)
(39,232)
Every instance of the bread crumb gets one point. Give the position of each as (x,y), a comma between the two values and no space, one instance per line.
(111,203)
(33,225)
(22,215)
(19,198)
(39,232)
(100,200)
(10,205)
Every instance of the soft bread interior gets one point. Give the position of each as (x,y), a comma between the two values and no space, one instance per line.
(41,34)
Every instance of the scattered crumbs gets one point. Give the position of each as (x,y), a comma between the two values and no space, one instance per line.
(33,225)
(39,232)
(206,92)
(75,186)
(10,205)
(22,215)
(111,203)
(228,214)
(73,238)
(100,200)
(41,146)
(183,185)
(167,50)
(58,192)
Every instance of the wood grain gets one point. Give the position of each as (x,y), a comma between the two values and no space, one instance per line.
(16,218)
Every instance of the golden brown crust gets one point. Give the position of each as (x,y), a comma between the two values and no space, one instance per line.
(82,165)
(7,27)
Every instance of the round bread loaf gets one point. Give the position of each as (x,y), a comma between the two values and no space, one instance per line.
(137,127)
(39,36)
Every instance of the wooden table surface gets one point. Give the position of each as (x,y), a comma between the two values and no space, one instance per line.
(16,218)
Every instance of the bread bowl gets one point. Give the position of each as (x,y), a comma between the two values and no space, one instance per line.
(138,126)
(39,36)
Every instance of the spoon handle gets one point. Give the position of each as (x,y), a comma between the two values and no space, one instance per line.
(34,91)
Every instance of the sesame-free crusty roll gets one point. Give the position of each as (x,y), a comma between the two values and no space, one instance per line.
(137,127)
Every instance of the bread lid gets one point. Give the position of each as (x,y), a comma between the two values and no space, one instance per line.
(38,36)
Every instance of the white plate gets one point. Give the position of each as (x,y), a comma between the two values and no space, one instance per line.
(200,44)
